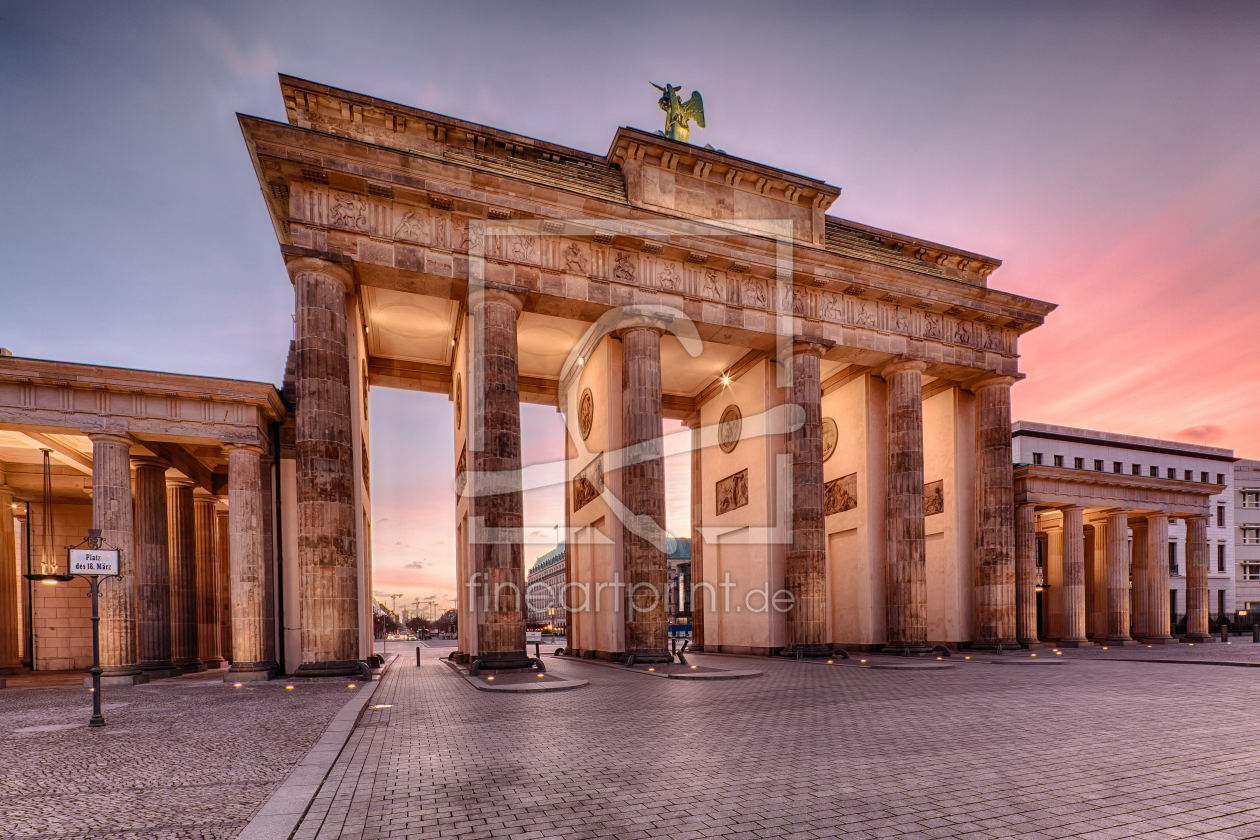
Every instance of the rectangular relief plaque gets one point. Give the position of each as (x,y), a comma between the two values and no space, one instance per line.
(933,498)
(732,492)
(589,483)
(840,494)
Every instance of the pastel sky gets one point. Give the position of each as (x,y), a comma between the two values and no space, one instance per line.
(1106,152)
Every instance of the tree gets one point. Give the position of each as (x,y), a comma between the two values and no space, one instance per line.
(415,624)
(447,621)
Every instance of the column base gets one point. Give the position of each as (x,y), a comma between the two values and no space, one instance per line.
(342,668)
(249,676)
(213,664)
(816,651)
(162,673)
(654,656)
(1075,643)
(1123,642)
(908,649)
(1159,640)
(118,680)
(1033,644)
(1000,644)
(1197,638)
(195,667)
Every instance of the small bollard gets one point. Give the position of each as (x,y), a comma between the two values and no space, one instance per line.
(537,654)
(417,656)
(1255,633)
(1224,634)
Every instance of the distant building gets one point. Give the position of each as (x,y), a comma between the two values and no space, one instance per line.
(1246,510)
(545,581)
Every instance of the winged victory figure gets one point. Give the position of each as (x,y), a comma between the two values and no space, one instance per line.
(679,113)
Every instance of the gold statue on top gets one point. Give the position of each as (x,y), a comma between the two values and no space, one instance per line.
(678,113)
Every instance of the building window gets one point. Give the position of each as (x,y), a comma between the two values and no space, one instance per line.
(1253,606)
(1189,475)
(1203,477)
(1220,557)
(1220,516)
(1172,473)
(1251,535)
(1220,478)
(1098,466)
(1058,460)
(1117,467)
(1137,469)
(1251,571)
(1172,558)
(1251,498)
(1080,465)
(1220,602)
(1037,458)
(1172,604)
(1154,472)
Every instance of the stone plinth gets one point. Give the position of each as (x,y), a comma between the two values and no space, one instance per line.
(153,569)
(182,552)
(1074,578)
(494,451)
(249,608)
(112,515)
(994,567)
(643,493)
(805,573)
(1117,552)
(209,604)
(10,654)
(1159,629)
(1197,561)
(327,554)
(907,550)
(1026,575)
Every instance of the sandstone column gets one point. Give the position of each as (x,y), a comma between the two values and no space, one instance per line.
(805,572)
(267,476)
(1117,549)
(245,516)
(327,554)
(10,649)
(1160,629)
(1074,578)
(494,454)
(112,515)
(1026,575)
(907,549)
(1197,580)
(1052,597)
(697,539)
(182,552)
(209,605)
(223,553)
(153,569)
(643,492)
(1141,580)
(995,516)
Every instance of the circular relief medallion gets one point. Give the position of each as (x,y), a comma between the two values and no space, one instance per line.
(459,402)
(729,427)
(586,413)
(830,434)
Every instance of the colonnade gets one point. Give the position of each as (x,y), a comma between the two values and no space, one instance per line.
(1126,611)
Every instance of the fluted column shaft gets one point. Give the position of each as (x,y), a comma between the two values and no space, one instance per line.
(1160,629)
(267,475)
(327,553)
(245,519)
(697,539)
(1140,558)
(10,650)
(112,515)
(1053,593)
(209,604)
(907,545)
(1117,550)
(223,551)
(805,572)
(494,455)
(1197,579)
(995,516)
(1073,578)
(153,568)
(1026,575)
(643,492)
(182,553)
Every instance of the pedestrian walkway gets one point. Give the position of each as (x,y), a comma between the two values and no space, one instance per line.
(1092,749)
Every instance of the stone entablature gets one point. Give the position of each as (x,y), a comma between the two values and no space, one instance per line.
(1060,486)
(49,396)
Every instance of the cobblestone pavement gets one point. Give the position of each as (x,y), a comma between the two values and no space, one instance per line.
(188,758)
(1082,749)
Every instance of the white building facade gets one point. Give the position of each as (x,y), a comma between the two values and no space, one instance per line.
(1246,511)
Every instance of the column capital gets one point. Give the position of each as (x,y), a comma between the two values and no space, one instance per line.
(109,437)
(492,292)
(811,345)
(150,462)
(991,382)
(1156,515)
(315,265)
(638,318)
(179,481)
(240,446)
(902,365)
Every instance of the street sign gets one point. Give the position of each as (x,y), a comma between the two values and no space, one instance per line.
(532,636)
(92,561)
